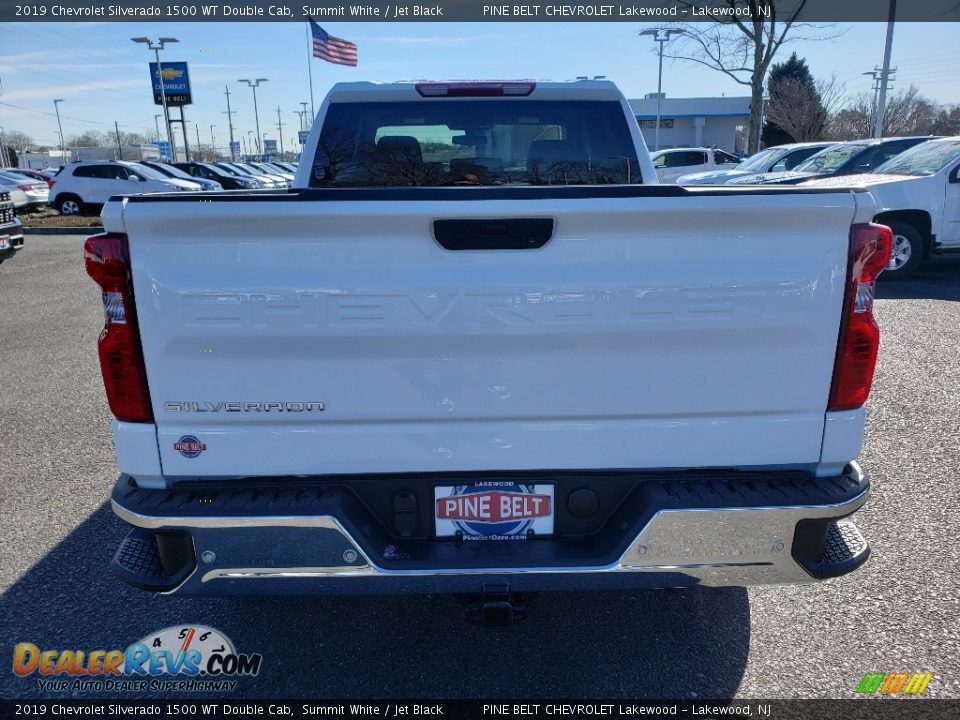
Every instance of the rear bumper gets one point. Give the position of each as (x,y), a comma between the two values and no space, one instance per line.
(319,537)
(15,231)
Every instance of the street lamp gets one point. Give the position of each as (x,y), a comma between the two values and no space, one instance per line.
(253,84)
(764,99)
(157,47)
(662,36)
(63,152)
(250,145)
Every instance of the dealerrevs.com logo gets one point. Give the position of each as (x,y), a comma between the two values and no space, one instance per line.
(184,657)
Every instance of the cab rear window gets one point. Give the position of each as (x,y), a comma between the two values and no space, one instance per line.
(473,143)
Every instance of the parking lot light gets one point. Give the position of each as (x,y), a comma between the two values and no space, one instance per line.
(63,153)
(662,36)
(253,85)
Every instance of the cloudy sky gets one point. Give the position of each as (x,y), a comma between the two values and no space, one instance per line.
(102,76)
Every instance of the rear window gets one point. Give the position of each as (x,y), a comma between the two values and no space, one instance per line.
(464,143)
(681,158)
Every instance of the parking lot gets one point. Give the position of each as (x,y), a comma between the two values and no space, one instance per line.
(901,612)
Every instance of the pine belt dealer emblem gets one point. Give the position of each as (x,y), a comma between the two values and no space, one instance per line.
(189,446)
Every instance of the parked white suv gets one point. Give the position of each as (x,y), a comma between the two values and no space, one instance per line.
(80,186)
(671,164)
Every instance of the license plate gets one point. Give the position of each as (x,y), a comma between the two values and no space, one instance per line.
(494,510)
(4,242)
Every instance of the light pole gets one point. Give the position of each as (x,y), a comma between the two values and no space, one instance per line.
(250,145)
(156,123)
(764,99)
(157,47)
(253,84)
(305,125)
(662,36)
(213,144)
(63,152)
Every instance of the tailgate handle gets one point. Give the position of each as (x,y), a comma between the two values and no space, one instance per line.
(493,233)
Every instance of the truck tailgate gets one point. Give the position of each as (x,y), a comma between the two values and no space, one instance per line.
(649,332)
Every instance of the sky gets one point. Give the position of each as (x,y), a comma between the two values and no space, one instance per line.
(102,76)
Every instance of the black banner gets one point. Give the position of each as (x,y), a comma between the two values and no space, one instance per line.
(853,709)
(657,11)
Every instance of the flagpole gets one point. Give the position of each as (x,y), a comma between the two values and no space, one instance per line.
(313,111)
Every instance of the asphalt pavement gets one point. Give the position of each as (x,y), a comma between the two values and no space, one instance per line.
(901,612)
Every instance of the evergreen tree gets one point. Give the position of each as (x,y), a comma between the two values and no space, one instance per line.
(792,91)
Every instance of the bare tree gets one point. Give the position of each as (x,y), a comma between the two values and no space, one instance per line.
(19,141)
(907,113)
(134,139)
(801,109)
(852,122)
(947,122)
(90,138)
(741,42)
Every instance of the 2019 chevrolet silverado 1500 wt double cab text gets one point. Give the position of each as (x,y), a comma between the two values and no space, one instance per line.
(471,350)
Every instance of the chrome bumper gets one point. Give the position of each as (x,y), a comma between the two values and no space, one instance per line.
(718,546)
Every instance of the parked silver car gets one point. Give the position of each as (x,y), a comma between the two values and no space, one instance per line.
(25,191)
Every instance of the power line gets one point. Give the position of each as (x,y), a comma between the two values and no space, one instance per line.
(68,117)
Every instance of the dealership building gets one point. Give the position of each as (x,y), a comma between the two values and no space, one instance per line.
(695,122)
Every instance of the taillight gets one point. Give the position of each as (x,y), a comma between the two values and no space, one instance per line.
(870,249)
(476,89)
(107,259)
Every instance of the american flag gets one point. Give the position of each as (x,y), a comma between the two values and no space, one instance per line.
(332,49)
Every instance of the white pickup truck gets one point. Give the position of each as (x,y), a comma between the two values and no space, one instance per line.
(918,196)
(473,350)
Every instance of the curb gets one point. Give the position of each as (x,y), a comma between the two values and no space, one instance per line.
(27,231)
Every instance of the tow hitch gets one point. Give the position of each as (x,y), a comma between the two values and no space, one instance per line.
(495,607)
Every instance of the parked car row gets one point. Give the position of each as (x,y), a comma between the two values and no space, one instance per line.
(82,187)
(918,196)
(25,189)
(11,231)
(783,164)
(915,181)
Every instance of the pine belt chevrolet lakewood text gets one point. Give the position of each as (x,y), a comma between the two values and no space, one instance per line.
(477,348)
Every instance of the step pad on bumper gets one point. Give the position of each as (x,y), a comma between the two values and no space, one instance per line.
(138,560)
(845,550)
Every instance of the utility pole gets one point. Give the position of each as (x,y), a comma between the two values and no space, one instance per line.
(119,146)
(877,75)
(885,72)
(229,113)
(3,149)
(63,153)
(156,122)
(213,143)
(199,152)
(280,131)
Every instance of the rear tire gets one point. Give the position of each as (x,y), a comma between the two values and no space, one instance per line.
(70,205)
(907,256)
